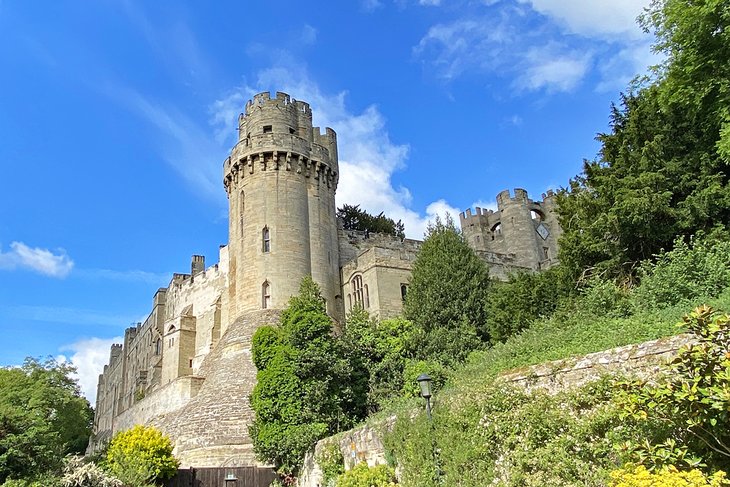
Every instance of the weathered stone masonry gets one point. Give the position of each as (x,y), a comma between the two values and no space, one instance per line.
(187,369)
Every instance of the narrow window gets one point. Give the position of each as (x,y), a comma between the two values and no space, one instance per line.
(366,297)
(357,291)
(191,363)
(546,252)
(349,301)
(158,346)
(242,207)
(266,295)
(267,129)
(477,238)
(266,238)
(403,291)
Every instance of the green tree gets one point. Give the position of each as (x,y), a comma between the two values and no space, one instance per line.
(353,218)
(141,455)
(308,385)
(662,170)
(43,417)
(447,296)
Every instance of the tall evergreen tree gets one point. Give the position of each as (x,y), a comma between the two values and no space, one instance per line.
(447,295)
(663,168)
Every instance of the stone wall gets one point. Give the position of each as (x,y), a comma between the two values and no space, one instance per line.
(644,360)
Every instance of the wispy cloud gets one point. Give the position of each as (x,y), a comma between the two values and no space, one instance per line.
(66,315)
(43,261)
(190,148)
(368,157)
(89,357)
(541,45)
(134,275)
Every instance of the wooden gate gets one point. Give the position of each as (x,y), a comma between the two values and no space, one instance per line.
(215,477)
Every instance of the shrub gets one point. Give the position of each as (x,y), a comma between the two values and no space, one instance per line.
(78,473)
(700,269)
(140,455)
(665,477)
(363,476)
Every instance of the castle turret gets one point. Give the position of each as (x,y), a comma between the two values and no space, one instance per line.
(280,180)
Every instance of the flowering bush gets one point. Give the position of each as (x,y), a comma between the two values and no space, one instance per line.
(666,477)
(364,476)
(140,455)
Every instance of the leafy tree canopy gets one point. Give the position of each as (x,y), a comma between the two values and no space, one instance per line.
(308,385)
(43,417)
(447,295)
(353,218)
(662,170)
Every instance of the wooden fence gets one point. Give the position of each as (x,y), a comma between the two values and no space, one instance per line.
(216,477)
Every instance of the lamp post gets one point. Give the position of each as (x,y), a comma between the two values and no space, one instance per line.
(230,479)
(424,380)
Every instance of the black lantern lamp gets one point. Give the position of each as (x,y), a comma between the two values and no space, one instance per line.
(230,479)
(425,382)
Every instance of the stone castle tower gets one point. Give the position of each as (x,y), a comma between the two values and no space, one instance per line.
(281,179)
(521,235)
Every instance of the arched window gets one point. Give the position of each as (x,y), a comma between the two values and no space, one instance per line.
(266,240)
(266,295)
(358,291)
(158,346)
(403,291)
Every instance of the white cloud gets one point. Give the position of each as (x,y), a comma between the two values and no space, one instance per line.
(433,3)
(594,18)
(370,5)
(89,357)
(619,70)
(42,261)
(553,71)
(367,156)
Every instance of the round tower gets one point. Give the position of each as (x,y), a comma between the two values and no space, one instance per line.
(518,228)
(280,180)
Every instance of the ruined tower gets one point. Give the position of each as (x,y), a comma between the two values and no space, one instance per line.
(280,180)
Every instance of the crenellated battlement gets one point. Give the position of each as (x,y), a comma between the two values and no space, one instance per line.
(281,100)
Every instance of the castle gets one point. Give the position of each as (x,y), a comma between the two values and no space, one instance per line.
(188,370)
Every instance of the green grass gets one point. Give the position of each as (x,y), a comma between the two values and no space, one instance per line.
(563,336)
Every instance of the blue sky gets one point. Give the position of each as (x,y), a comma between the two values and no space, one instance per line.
(116,116)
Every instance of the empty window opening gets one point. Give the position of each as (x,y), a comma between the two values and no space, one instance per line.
(266,295)
(291,131)
(497,229)
(190,363)
(537,216)
(266,239)
(267,129)
(546,252)
(366,297)
(403,291)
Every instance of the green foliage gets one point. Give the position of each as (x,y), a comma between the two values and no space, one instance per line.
(43,417)
(414,368)
(505,436)
(665,477)
(383,347)
(140,455)
(447,296)
(353,218)
(691,408)
(331,463)
(363,476)
(688,272)
(513,305)
(662,170)
(309,383)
